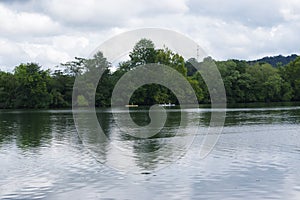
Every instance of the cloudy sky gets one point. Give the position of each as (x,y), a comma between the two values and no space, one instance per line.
(53,31)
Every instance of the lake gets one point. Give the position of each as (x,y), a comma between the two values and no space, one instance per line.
(257,156)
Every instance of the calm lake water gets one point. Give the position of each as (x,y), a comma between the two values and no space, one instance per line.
(257,157)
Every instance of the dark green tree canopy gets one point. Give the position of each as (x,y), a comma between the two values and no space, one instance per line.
(142,53)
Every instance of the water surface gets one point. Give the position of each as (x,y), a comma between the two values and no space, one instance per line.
(257,156)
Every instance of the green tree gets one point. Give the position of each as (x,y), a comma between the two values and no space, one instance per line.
(74,68)
(230,75)
(8,85)
(90,87)
(171,59)
(60,87)
(142,53)
(266,84)
(93,67)
(32,86)
(291,74)
(272,88)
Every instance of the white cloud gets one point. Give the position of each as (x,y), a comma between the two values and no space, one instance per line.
(248,12)
(108,13)
(68,43)
(45,53)
(53,31)
(13,23)
(11,54)
(291,10)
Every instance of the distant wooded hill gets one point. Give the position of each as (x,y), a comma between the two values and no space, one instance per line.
(275,61)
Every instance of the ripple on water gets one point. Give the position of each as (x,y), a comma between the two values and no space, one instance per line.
(258,158)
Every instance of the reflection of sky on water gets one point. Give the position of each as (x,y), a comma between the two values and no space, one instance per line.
(258,159)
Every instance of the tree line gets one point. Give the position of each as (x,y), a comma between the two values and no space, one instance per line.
(28,86)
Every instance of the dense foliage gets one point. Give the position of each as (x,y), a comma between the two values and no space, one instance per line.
(31,87)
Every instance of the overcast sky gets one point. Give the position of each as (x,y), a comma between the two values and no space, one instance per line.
(53,31)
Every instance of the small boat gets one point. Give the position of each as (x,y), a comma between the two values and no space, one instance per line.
(167,105)
(131,106)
